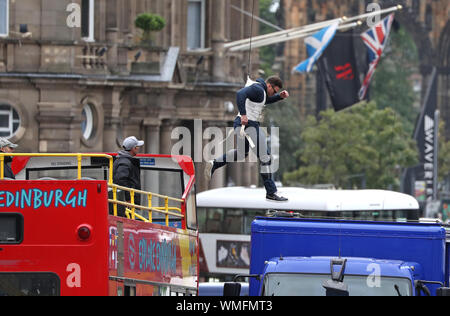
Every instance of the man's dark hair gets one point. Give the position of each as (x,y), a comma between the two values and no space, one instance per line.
(275,81)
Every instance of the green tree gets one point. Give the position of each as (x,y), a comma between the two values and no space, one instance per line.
(362,142)
(286,116)
(149,23)
(444,154)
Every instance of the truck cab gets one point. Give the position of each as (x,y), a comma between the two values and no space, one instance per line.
(314,257)
(306,276)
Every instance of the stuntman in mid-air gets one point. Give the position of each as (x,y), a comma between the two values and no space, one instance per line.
(251,101)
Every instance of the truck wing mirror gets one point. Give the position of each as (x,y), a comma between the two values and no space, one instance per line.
(234,288)
(443,291)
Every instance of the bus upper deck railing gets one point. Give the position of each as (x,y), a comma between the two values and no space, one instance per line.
(166,210)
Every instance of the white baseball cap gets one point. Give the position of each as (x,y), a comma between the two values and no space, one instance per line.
(131,142)
(6,143)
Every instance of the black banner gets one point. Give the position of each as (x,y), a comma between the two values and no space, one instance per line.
(420,181)
(339,68)
(425,135)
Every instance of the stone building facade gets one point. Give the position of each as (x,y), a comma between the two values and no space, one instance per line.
(74,76)
(426,20)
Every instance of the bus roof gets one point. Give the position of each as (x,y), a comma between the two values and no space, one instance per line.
(307,199)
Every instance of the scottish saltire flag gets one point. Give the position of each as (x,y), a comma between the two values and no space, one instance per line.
(375,39)
(315,46)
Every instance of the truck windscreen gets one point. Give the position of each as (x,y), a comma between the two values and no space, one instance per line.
(290,284)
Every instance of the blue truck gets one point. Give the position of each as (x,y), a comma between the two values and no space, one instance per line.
(314,257)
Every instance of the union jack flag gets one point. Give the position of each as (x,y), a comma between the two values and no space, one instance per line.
(375,39)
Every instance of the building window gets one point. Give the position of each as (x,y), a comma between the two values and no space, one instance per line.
(4,17)
(87,20)
(9,121)
(196,24)
(87,123)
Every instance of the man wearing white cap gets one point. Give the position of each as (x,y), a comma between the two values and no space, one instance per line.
(7,147)
(127,168)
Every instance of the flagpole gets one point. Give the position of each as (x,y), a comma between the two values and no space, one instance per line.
(370,14)
(303,31)
(296,35)
(316,26)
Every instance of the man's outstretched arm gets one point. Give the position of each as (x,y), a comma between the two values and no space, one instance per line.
(278,97)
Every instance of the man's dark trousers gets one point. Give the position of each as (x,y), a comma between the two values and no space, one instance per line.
(262,152)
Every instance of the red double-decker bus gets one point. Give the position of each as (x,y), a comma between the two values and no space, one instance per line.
(60,233)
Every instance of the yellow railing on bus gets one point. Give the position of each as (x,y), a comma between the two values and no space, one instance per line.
(166,210)
(79,157)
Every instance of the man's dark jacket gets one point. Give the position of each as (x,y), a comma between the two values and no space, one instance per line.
(8,171)
(127,173)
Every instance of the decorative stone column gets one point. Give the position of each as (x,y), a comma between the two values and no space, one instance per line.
(112,132)
(165,140)
(59,127)
(218,40)
(59,117)
(112,32)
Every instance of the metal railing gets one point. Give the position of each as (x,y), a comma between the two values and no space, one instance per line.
(166,210)
(130,212)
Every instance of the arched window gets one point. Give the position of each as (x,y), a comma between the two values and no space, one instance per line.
(9,120)
(87,123)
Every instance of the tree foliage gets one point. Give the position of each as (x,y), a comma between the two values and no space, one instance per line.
(344,148)
(444,154)
(149,22)
(286,116)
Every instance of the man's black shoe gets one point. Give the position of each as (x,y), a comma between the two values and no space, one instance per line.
(276,198)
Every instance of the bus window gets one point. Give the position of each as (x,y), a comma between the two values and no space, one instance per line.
(191,213)
(130,290)
(214,220)
(29,284)
(201,218)
(11,228)
(228,221)
(249,216)
(68,173)
(233,221)
(164,182)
